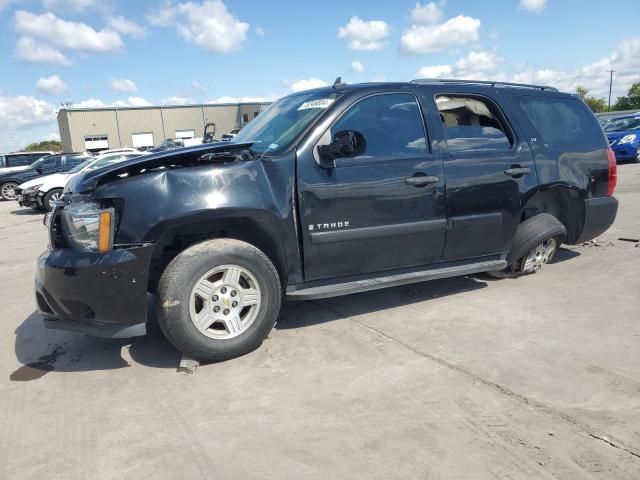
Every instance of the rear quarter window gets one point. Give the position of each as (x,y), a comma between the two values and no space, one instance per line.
(17,160)
(563,121)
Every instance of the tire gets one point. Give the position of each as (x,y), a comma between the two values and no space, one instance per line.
(534,233)
(52,194)
(7,191)
(212,267)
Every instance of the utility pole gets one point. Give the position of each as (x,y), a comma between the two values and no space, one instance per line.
(610,85)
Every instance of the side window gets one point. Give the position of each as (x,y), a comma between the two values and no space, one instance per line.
(51,163)
(75,160)
(391,125)
(562,120)
(472,124)
(18,160)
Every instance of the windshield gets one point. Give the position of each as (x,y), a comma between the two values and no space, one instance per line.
(39,162)
(276,127)
(620,124)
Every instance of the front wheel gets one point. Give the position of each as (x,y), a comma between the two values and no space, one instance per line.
(8,191)
(51,198)
(218,299)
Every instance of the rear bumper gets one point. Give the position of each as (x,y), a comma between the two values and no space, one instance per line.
(599,214)
(97,294)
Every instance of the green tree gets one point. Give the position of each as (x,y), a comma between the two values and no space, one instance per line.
(44,146)
(595,104)
(631,101)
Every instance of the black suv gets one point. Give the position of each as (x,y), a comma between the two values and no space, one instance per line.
(328,192)
(45,166)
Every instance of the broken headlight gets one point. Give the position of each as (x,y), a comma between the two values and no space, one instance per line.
(87,227)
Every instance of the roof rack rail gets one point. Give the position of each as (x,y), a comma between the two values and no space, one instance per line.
(483,82)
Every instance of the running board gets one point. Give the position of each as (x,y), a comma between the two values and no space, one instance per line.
(356,286)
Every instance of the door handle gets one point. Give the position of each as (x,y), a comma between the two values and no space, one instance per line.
(421,180)
(517,171)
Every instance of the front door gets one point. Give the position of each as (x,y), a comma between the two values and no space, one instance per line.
(381,210)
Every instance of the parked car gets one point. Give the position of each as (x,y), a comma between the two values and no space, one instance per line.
(45,166)
(624,137)
(329,192)
(226,137)
(42,192)
(19,161)
(171,143)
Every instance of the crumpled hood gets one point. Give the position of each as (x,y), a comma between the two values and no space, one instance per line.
(218,152)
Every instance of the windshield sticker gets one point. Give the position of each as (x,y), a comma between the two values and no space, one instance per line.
(273,146)
(320,103)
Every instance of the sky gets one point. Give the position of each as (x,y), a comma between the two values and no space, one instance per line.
(118,52)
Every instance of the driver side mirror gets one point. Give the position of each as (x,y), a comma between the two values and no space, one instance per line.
(346,143)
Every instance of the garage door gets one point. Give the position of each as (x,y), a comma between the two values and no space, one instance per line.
(142,140)
(185,133)
(96,142)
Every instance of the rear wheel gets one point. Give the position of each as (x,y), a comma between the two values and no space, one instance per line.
(534,245)
(218,299)
(51,198)
(8,190)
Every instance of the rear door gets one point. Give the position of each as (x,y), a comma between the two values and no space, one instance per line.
(381,210)
(489,171)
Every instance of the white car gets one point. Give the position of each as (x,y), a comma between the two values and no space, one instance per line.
(41,193)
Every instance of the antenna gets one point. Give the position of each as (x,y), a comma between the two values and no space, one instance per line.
(338,83)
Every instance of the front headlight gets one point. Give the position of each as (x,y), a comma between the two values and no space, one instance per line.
(627,139)
(32,189)
(87,227)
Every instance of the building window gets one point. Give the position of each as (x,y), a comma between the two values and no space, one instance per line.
(255,114)
(96,143)
(245,118)
(185,133)
(142,141)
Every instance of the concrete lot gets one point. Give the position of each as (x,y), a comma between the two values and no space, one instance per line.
(467,378)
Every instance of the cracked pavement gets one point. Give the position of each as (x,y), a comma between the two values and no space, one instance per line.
(471,377)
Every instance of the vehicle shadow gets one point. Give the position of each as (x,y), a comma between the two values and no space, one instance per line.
(41,350)
(27,212)
(295,316)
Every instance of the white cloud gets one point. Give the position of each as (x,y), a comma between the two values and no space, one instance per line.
(90,103)
(52,137)
(435,71)
(428,14)
(260,31)
(364,35)
(475,66)
(176,101)
(135,102)
(122,85)
(70,5)
(55,32)
(423,39)
(208,24)
(52,84)
(126,27)
(24,112)
(307,84)
(532,5)
(624,59)
(357,67)
(228,99)
(29,50)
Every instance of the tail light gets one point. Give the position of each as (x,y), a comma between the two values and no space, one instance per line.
(613,171)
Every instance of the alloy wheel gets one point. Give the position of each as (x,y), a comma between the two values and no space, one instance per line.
(9,191)
(225,302)
(54,198)
(539,256)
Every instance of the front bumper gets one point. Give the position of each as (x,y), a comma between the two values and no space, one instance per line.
(28,199)
(599,214)
(626,151)
(98,294)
